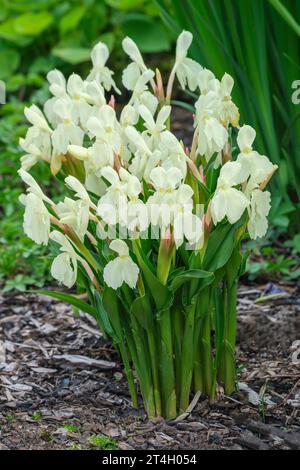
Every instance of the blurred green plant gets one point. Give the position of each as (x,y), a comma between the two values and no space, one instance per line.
(36,36)
(257,42)
(274,262)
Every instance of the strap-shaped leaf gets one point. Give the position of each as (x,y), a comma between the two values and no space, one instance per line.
(221,245)
(103,316)
(205,277)
(112,307)
(141,309)
(78,303)
(161,294)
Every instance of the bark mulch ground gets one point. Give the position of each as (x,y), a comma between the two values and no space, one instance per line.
(62,385)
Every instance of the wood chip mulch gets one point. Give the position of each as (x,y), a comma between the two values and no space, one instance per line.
(61,383)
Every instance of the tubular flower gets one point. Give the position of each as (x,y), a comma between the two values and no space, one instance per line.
(64,266)
(227,200)
(122,269)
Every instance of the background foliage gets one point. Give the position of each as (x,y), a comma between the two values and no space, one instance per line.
(257,41)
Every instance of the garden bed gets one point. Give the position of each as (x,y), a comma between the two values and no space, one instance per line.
(51,399)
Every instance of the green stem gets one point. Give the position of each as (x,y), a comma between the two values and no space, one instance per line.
(228,365)
(167,366)
(198,376)
(129,374)
(155,372)
(177,324)
(205,342)
(143,368)
(187,357)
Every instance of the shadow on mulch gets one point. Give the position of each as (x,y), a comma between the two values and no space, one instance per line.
(52,399)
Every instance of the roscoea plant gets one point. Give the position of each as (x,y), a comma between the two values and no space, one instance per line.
(152,228)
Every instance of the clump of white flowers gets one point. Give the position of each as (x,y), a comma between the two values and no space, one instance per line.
(173,215)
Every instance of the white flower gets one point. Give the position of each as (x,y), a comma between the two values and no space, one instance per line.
(228,111)
(120,201)
(260,204)
(131,49)
(227,200)
(65,133)
(258,166)
(37,144)
(94,93)
(36,222)
(165,183)
(141,94)
(172,153)
(96,157)
(129,116)
(64,266)
(155,128)
(245,139)
(79,190)
(75,214)
(114,201)
(186,69)
(33,186)
(212,135)
(207,82)
(35,116)
(58,85)
(100,72)
(58,88)
(121,269)
(130,76)
(186,224)
(80,109)
(105,127)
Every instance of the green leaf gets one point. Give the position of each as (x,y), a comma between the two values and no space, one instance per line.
(74,56)
(9,62)
(286,15)
(141,309)
(103,316)
(111,306)
(71,20)
(124,4)
(78,303)
(161,294)
(32,24)
(191,275)
(220,245)
(149,33)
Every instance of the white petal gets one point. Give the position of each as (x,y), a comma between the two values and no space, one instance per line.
(131,49)
(184,41)
(36,219)
(75,85)
(130,272)
(64,269)
(236,203)
(227,84)
(120,247)
(130,76)
(62,240)
(110,175)
(99,54)
(112,274)
(231,174)
(245,138)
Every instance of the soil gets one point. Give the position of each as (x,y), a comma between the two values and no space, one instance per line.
(52,399)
